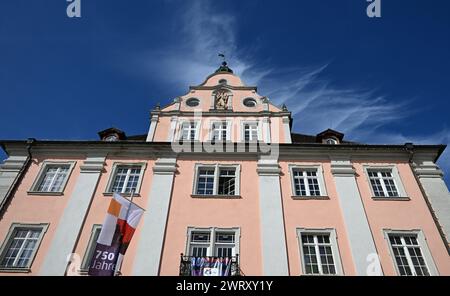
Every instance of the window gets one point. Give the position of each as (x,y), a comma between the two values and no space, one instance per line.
(213,242)
(188,131)
(91,247)
(249,102)
(307,181)
(227,180)
(408,255)
(223,81)
(193,102)
(126,178)
(21,245)
(383,183)
(331,141)
(319,252)
(217,180)
(250,131)
(219,131)
(52,178)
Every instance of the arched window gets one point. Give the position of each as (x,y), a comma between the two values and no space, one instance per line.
(331,141)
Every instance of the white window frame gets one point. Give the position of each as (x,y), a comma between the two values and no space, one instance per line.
(228,129)
(258,127)
(196,129)
(334,248)
(320,178)
(113,173)
(421,239)
(217,168)
(333,140)
(41,175)
(395,176)
(90,248)
(212,241)
(8,240)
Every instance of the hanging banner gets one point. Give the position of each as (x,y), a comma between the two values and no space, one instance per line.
(209,266)
(117,231)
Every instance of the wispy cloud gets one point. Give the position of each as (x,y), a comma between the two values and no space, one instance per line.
(315,102)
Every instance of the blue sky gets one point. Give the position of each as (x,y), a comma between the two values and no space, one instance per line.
(377,80)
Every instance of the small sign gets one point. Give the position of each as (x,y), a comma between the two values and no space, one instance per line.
(210,271)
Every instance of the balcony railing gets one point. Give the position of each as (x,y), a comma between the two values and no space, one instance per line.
(209,266)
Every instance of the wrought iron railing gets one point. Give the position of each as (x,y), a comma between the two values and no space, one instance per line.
(197,266)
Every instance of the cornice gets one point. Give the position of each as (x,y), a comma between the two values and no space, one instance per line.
(152,150)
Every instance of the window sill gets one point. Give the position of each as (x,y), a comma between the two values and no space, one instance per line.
(15,270)
(296,197)
(47,193)
(401,198)
(216,196)
(136,194)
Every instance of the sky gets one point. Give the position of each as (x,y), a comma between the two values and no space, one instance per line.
(378,80)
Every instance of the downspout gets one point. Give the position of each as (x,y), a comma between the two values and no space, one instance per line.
(17,179)
(409,147)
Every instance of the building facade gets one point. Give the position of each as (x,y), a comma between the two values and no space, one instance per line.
(220,174)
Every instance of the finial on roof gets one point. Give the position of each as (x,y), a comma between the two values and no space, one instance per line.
(224,67)
(284,108)
(158,106)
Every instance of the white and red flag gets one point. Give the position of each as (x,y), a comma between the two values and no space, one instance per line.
(118,228)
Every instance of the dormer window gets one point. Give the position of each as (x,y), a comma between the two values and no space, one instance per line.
(330,137)
(223,81)
(111,138)
(112,134)
(331,141)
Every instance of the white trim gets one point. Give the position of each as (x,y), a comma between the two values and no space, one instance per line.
(228,128)
(287,130)
(153,124)
(90,247)
(40,177)
(217,168)
(173,126)
(8,240)
(320,178)
(266,128)
(179,132)
(334,247)
(113,173)
(422,244)
(250,122)
(212,231)
(395,174)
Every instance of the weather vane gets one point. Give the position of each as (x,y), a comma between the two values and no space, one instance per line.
(222,56)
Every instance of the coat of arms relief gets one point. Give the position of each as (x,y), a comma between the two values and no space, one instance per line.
(221,98)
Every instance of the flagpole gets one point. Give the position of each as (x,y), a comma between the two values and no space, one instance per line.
(117,273)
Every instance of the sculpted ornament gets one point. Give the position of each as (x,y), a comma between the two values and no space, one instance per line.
(222,96)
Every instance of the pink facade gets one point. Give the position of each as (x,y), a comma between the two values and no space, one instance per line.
(312,205)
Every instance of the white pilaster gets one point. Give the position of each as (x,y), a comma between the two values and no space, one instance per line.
(287,130)
(266,127)
(150,245)
(69,227)
(274,254)
(173,126)
(358,230)
(431,179)
(152,130)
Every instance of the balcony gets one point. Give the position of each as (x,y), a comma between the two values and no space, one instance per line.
(209,266)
